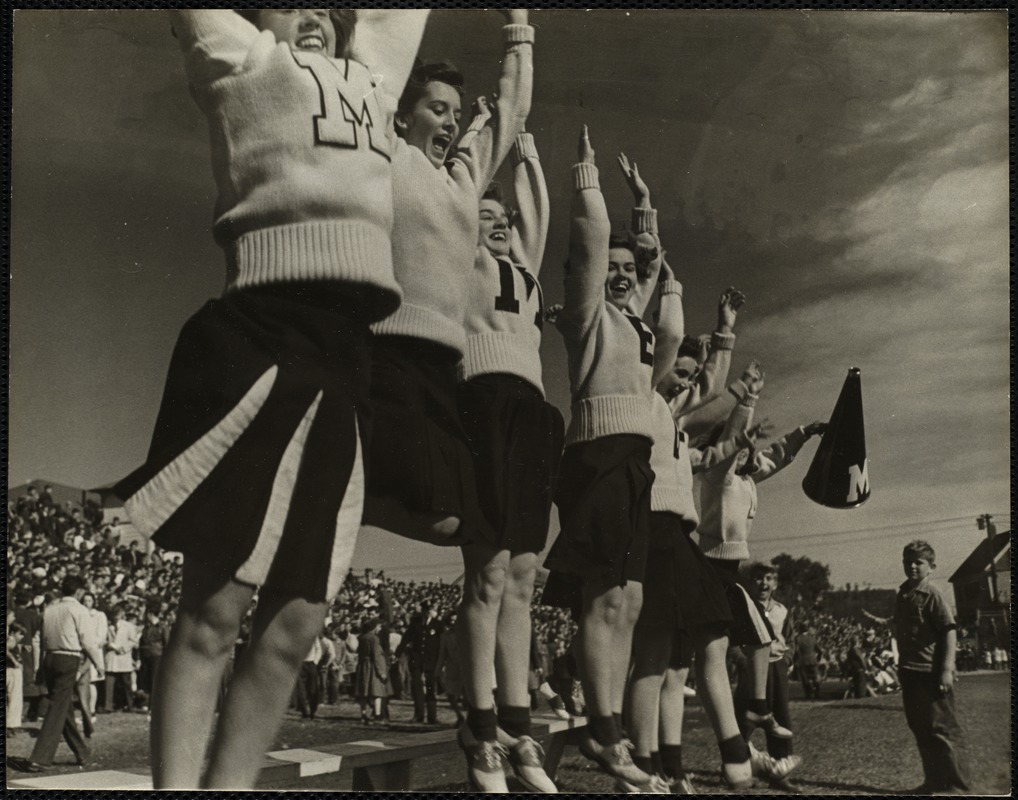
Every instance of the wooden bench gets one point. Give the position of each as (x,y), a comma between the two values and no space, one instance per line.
(384,763)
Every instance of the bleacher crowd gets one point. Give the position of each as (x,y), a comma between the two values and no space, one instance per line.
(133,595)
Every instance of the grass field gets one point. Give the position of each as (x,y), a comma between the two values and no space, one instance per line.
(848,746)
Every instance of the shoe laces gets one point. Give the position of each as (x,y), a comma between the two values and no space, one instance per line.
(529,752)
(491,754)
(619,755)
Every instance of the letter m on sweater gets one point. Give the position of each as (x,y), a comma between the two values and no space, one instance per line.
(345,122)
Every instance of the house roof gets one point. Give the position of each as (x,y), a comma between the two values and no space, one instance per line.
(979,560)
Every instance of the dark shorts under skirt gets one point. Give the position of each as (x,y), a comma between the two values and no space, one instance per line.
(516,438)
(256,467)
(603,498)
(420,453)
(681,588)
(749,625)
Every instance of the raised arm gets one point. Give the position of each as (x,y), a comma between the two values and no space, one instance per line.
(670,323)
(589,232)
(215,42)
(530,228)
(646,243)
(782,452)
(485,151)
(386,42)
(717,462)
(710,381)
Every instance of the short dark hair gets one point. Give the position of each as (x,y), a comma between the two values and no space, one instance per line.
(70,585)
(494,192)
(690,347)
(624,240)
(758,568)
(423,74)
(922,549)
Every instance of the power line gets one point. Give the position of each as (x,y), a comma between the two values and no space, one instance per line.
(862,539)
(898,526)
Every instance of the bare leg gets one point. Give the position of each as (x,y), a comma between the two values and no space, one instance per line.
(282,634)
(759,661)
(187,685)
(632,598)
(602,607)
(673,705)
(512,654)
(651,651)
(712,682)
(483,587)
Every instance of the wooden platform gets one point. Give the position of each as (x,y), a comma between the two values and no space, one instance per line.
(381,764)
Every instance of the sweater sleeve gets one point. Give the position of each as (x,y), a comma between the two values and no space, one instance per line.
(711,379)
(645,237)
(733,439)
(484,152)
(779,455)
(669,329)
(386,42)
(587,269)
(530,232)
(215,42)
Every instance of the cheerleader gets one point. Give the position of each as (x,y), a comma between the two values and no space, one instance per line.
(728,501)
(598,561)
(422,483)
(256,471)
(516,438)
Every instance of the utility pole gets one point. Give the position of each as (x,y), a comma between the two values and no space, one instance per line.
(985,522)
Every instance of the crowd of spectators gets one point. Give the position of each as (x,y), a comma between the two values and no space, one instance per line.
(134,591)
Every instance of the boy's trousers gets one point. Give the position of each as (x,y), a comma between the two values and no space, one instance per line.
(931,718)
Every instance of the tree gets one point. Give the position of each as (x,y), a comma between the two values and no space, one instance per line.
(802,581)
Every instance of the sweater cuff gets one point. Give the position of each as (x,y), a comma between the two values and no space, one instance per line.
(523,148)
(585,176)
(671,287)
(644,220)
(518,34)
(722,341)
(738,388)
(750,400)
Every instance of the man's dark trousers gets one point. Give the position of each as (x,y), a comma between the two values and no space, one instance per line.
(61,678)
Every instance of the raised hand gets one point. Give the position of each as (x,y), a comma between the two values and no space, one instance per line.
(585,153)
(755,382)
(751,371)
(637,185)
(761,430)
(645,253)
(482,107)
(815,429)
(551,313)
(729,303)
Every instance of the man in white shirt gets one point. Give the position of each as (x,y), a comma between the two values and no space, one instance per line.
(67,634)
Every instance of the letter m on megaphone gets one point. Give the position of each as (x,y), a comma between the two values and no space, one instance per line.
(858,483)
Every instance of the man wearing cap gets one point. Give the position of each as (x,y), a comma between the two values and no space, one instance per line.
(66,636)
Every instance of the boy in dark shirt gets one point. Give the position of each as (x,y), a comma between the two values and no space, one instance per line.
(927,640)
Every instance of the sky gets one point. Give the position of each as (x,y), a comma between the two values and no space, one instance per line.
(847,170)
